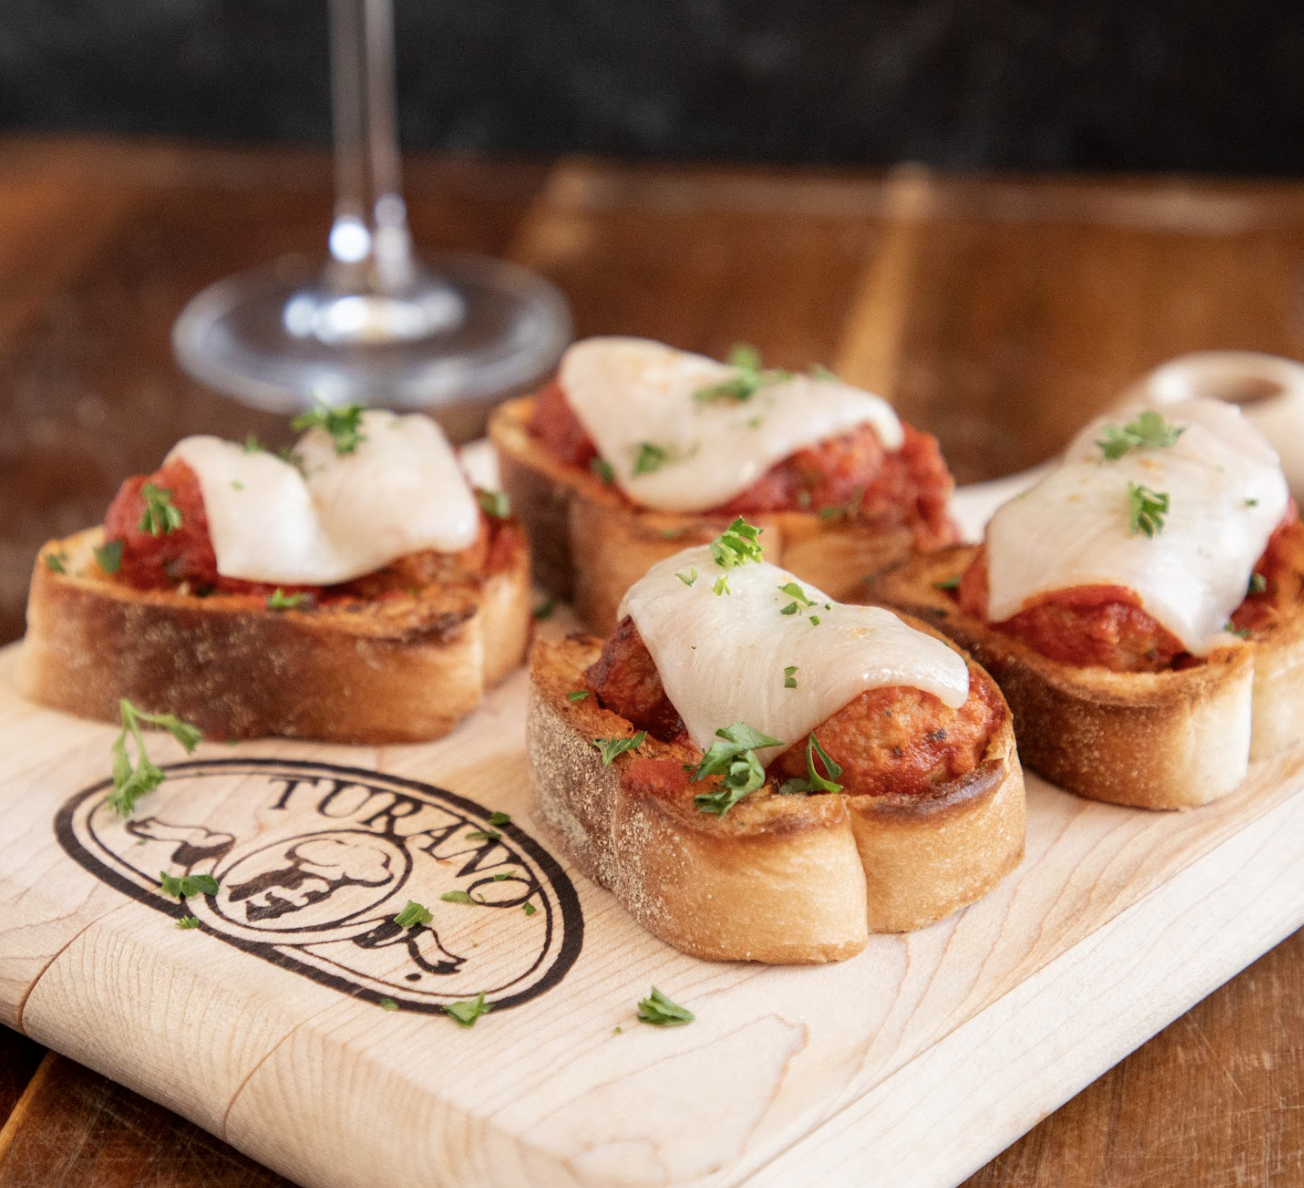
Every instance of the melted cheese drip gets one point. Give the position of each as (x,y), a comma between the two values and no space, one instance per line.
(722,656)
(1226,495)
(345,515)
(631,391)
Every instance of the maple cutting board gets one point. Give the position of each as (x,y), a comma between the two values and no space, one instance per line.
(911,1064)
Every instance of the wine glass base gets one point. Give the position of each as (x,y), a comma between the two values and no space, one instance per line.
(275,337)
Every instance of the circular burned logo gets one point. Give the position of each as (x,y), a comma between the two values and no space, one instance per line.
(314,861)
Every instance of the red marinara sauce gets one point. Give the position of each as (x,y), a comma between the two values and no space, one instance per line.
(851,474)
(1106,626)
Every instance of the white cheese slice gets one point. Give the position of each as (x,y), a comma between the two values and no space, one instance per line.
(1226,494)
(343,515)
(722,656)
(631,392)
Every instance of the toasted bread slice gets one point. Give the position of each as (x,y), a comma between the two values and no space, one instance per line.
(402,669)
(589,545)
(780,879)
(1168,740)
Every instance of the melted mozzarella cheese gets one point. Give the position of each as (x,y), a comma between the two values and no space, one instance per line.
(1226,494)
(631,392)
(343,515)
(722,656)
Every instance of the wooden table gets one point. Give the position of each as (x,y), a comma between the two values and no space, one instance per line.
(998,313)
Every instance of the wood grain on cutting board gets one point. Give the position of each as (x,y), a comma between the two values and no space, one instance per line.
(1117,921)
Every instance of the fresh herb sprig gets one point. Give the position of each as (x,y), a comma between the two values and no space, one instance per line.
(344,424)
(1149,429)
(750,378)
(160,516)
(814,782)
(650,458)
(413,914)
(612,747)
(278,599)
(739,544)
(658,1010)
(130,782)
(466,1013)
(184,886)
(108,556)
(734,759)
(495,504)
(1146,509)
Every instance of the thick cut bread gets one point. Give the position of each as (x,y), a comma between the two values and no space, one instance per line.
(781,879)
(403,669)
(1168,740)
(589,545)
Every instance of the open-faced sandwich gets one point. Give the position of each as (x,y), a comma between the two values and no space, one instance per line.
(1142,607)
(761,773)
(636,450)
(356,590)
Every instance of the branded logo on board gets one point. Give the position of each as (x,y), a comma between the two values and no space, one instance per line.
(314,861)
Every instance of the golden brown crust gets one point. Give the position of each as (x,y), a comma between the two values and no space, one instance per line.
(396,671)
(1167,740)
(589,545)
(781,879)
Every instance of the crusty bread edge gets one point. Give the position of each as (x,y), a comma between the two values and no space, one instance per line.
(236,672)
(588,545)
(779,879)
(1170,740)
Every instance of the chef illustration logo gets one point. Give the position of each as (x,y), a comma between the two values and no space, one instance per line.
(314,862)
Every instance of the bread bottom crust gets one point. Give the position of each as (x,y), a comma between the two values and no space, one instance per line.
(589,546)
(779,879)
(1168,740)
(383,673)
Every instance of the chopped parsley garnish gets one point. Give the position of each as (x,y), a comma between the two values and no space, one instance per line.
(734,760)
(1258,584)
(814,620)
(490,835)
(344,424)
(1149,429)
(252,445)
(688,578)
(736,545)
(722,584)
(278,599)
(466,1013)
(504,876)
(184,886)
(496,504)
(577,695)
(815,782)
(844,510)
(413,914)
(388,1004)
(56,562)
(188,922)
(160,516)
(131,783)
(790,677)
(658,1010)
(820,372)
(500,818)
(459,897)
(740,388)
(529,909)
(545,610)
(1239,632)
(671,533)
(237,485)
(792,590)
(1146,509)
(650,458)
(611,747)
(602,468)
(1251,503)
(951,583)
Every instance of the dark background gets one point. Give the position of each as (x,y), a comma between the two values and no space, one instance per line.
(1100,85)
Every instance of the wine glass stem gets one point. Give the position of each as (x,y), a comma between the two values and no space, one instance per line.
(370,246)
